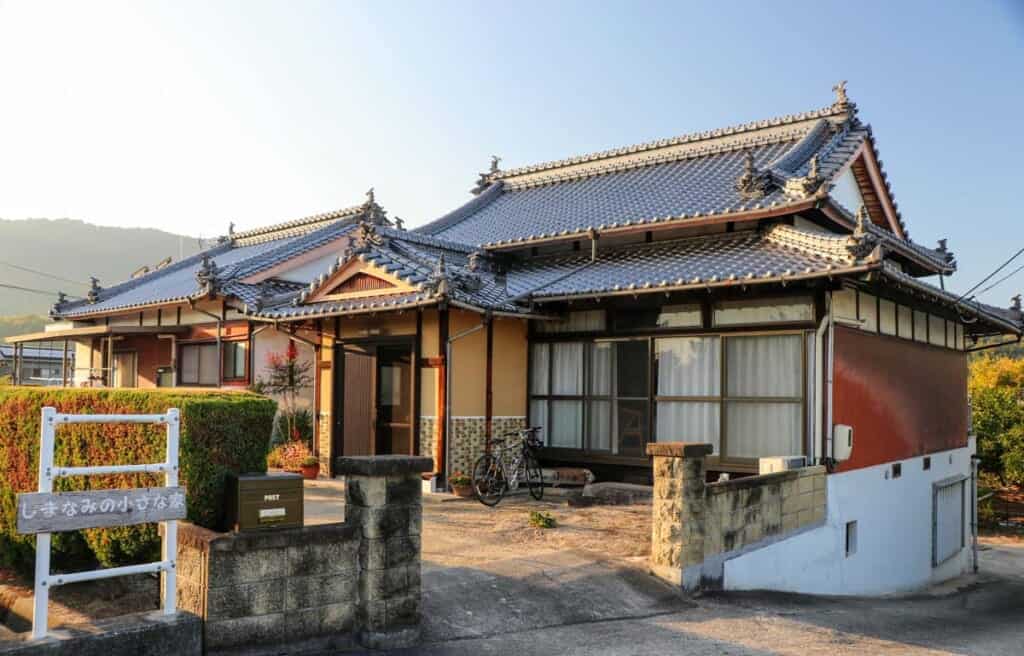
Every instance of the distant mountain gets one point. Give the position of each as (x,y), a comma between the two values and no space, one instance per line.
(74,250)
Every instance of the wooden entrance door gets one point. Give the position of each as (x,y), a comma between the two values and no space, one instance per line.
(355,394)
(374,395)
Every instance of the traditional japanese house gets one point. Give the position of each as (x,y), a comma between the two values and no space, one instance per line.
(752,287)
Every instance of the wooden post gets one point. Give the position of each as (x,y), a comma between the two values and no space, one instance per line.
(488,388)
(442,391)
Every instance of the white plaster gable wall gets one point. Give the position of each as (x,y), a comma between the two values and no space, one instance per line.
(274,341)
(308,272)
(894,536)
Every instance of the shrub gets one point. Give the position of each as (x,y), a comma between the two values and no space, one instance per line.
(542,519)
(458,478)
(220,432)
(289,456)
(997,402)
(300,423)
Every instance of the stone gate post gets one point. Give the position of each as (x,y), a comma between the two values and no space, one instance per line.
(383,497)
(678,523)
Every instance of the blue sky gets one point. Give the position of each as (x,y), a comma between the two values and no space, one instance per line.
(185,116)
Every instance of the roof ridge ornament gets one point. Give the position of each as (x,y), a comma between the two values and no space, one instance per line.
(365,237)
(487,178)
(55,309)
(94,290)
(1015,303)
(206,275)
(842,102)
(806,186)
(862,242)
(372,211)
(438,283)
(752,183)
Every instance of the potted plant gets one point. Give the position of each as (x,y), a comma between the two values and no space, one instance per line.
(310,467)
(462,485)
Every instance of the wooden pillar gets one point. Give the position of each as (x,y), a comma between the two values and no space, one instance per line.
(64,366)
(442,391)
(417,349)
(488,393)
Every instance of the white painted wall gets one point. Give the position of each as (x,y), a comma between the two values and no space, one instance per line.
(271,341)
(894,536)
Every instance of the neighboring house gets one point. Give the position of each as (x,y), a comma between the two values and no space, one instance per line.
(38,366)
(751,287)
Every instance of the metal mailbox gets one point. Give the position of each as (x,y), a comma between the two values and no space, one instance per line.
(263,501)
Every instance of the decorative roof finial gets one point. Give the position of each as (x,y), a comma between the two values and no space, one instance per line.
(231,229)
(399,223)
(487,177)
(370,199)
(751,183)
(1015,303)
(61,298)
(473,264)
(862,221)
(206,275)
(841,98)
(94,289)
(813,171)
(942,246)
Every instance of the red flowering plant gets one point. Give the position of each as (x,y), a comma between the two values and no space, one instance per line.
(286,377)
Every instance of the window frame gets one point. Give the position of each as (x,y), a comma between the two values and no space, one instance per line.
(199,376)
(230,346)
(720,460)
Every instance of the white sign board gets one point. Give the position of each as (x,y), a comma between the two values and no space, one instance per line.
(43,512)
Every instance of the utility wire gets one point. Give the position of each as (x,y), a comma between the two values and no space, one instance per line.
(43,273)
(33,291)
(989,276)
(1003,279)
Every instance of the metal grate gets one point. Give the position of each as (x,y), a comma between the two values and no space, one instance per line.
(947,519)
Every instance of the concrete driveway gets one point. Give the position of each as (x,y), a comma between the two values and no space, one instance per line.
(492,585)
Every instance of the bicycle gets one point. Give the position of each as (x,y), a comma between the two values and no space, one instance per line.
(500,470)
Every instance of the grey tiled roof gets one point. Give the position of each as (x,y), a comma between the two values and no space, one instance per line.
(673,185)
(248,253)
(734,258)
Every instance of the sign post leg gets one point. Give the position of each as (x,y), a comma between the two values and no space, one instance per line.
(42,591)
(170,544)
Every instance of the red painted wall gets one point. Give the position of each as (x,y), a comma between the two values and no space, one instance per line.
(152,353)
(902,398)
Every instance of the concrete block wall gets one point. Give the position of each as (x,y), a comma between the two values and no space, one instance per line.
(285,586)
(315,587)
(747,510)
(697,526)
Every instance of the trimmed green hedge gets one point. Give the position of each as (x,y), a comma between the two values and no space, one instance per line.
(220,432)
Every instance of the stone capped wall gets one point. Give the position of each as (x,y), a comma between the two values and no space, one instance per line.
(697,526)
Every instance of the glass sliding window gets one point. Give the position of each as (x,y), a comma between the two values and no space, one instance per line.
(567,369)
(556,388)
(599,389)
(688,389)
(198,365)
(235,357)
(763,396)
(632,394)
(566,424)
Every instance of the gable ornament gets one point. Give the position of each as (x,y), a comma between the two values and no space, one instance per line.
(206,275)
(805,186)
(487,177)
(862,242)
(438,284)
(1015,303)
(94,290)
(752,183)
(365,236)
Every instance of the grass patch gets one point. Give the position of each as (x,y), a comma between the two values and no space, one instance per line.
(542,519)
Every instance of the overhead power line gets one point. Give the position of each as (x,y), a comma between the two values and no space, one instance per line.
(1003,279)
(33,291)
(43,273)
(989,276)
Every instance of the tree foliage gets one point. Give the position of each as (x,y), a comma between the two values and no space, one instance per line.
(997,401)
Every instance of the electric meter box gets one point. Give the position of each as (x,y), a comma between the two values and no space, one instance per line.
(257,502)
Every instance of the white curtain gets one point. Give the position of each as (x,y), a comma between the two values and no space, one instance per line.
(567,369)
(688,366)
(539,417)
(688,421)
(754,430)
(601,368)
(567,424)
(189,365)
(600,431)
(769,365)
(539,369)
(209,368)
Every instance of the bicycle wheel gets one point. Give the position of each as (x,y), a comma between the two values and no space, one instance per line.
(534,477)
(488,480)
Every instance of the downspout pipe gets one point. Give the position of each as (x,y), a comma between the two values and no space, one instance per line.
(829,383)
(448,388)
